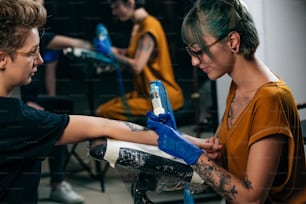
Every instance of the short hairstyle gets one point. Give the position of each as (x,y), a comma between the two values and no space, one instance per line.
(17,18)
(218,18)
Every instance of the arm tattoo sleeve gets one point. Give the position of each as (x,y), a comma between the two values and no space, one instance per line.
(218,179)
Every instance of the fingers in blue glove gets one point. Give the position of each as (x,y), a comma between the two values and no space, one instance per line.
(152,116)
(164,118)
(172,142)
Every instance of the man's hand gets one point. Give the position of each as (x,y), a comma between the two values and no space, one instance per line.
(172,142)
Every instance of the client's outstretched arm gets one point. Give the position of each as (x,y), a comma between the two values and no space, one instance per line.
(142,158)
(81,128)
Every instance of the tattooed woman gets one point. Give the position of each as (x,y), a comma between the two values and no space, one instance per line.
(262,157)
(148,59)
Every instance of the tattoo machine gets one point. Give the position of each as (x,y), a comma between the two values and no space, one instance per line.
(160,101)
(161,104)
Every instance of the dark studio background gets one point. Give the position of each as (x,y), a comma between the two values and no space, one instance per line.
(78,78)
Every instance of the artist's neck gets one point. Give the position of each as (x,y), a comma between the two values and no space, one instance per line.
(249,75)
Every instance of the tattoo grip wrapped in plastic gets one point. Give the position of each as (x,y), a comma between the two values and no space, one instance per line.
(160,102)
(164,113)
(102,42)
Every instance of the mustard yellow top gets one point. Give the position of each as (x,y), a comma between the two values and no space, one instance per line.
(159,65)
(272,111)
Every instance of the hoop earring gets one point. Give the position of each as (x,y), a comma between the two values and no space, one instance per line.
(2,68)
(235,49)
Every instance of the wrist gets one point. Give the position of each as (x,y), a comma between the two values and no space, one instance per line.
(196,154)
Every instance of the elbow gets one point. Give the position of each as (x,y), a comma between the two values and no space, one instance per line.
(251,198)
(60,141)
(136,68)
(137,72)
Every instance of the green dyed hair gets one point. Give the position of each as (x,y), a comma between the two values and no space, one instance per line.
(218,18)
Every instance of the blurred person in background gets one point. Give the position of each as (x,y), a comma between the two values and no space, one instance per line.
(147,57)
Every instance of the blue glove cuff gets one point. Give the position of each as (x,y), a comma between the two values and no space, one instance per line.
(194,158)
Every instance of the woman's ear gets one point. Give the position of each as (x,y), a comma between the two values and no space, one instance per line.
(3,60)
(234,41)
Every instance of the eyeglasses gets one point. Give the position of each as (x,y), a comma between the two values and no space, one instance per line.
(198,54)
(33,54)
(41,32)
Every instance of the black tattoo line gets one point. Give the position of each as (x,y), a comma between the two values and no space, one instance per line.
(247,183)
(135,128)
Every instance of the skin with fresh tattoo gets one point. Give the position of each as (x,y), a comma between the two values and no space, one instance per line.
(134,127)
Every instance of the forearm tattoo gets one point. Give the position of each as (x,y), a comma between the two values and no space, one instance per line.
(134,127)
(247,183)
(218,179)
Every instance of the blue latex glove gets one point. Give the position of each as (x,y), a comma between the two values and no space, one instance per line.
(103,46)
(102,42)
(172,142)
(164,118)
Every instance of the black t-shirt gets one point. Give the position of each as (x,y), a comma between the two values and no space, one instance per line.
(27,137)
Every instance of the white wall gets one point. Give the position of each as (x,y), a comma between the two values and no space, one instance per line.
(282,31)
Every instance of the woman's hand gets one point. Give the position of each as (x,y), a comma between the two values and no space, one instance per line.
(212,147)
(118,51)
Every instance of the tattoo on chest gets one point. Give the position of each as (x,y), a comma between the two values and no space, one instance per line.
(238,104)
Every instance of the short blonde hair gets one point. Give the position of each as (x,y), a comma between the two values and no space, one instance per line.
(17,17)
